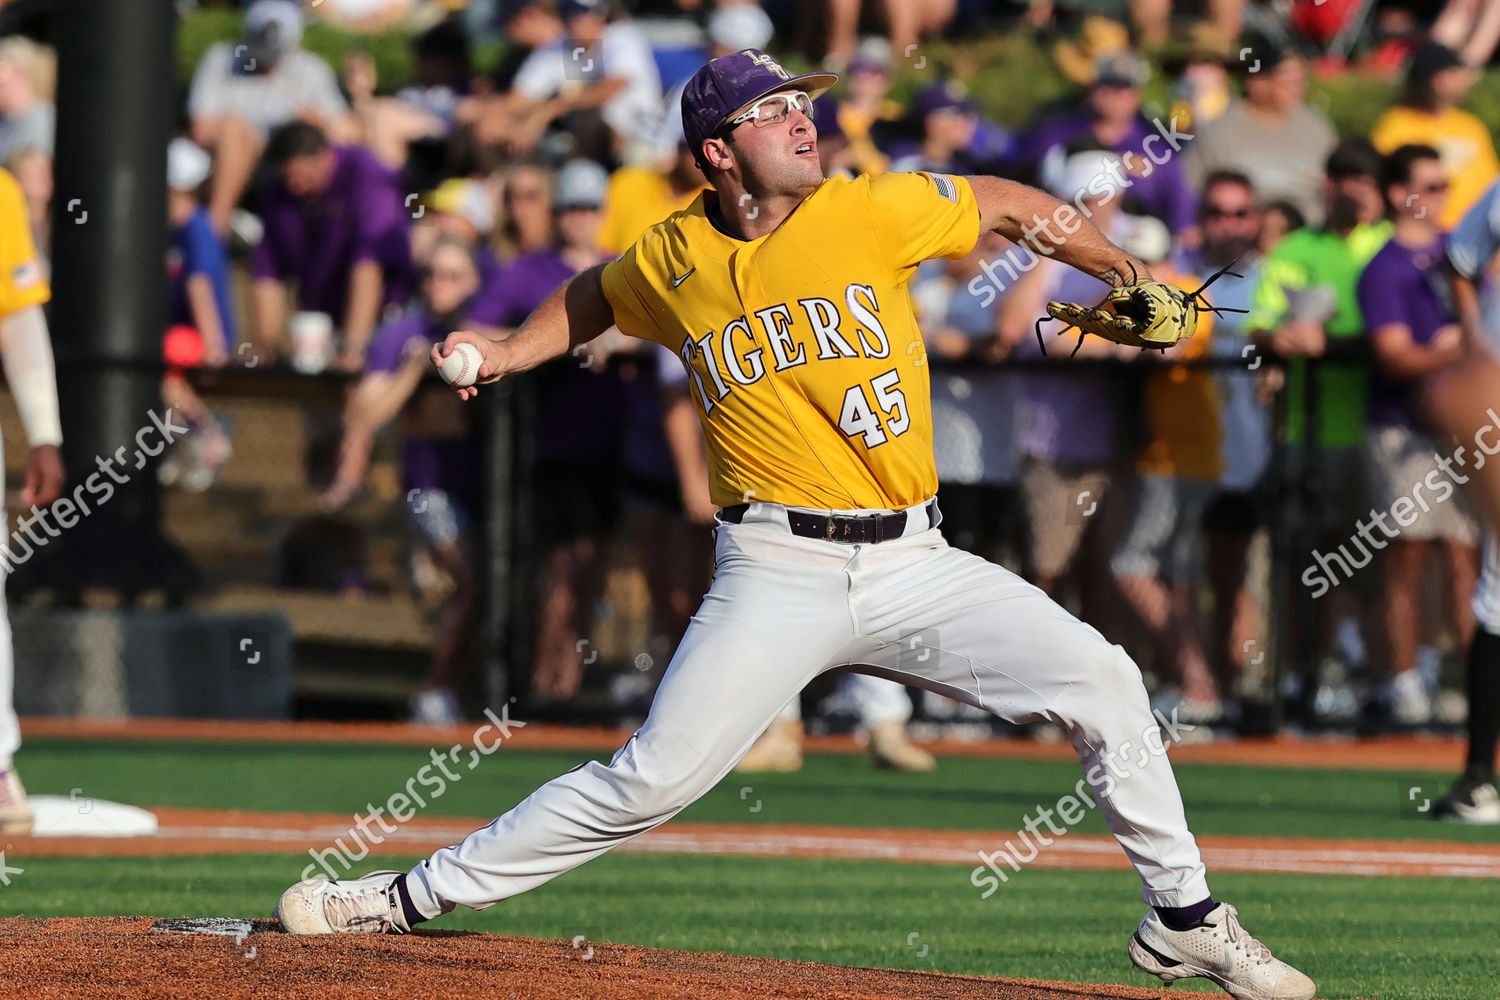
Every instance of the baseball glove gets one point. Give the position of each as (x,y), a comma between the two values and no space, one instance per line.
(1144,314)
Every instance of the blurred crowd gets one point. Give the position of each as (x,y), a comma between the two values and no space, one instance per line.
(326,219)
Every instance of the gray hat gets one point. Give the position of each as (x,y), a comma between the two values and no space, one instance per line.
(580,184)
(740,27)
(273,29)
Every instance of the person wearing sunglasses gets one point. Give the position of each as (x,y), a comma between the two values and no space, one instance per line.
(786,295)
(1230,220)
(1413,333)
(1430,112)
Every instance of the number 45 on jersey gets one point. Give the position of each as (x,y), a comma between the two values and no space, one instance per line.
(860,414)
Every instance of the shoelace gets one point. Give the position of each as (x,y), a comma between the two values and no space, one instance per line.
(1240,938)
(348,906)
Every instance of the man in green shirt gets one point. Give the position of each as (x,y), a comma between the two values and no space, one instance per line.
(1303,308)
(1305,304)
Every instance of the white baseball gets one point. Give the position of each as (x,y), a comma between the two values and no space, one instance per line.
(461,368)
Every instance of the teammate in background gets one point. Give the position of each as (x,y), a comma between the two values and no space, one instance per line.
(27,352)
(786,295)
(439,478)
(1471,251)
(1404,296)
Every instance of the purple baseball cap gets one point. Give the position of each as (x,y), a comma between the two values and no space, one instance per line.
(727,85)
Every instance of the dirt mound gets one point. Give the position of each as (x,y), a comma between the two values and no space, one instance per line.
(122,957)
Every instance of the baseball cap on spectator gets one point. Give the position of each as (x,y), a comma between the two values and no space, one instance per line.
(580,184)
(572,8)
(188,165)
(1091,172)
(873,55)
(725,86)
(1431,58)
(1144,238)
(1101,36)
(947,96)
(468,198)
(1120,69)
(1260,55)
(744,26)
(273,29)
(1207,42)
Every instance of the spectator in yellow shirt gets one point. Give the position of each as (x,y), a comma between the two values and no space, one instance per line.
(640,197)
(1437,81)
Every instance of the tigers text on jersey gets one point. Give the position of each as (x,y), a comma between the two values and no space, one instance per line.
(803,351)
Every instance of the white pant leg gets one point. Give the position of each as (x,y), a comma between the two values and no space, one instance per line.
(10,728)
(776,616)
(877,700)
(941,618)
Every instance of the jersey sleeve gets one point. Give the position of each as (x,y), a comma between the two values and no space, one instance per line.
(624,285)
(22,281)
(1475,241)
(919,216)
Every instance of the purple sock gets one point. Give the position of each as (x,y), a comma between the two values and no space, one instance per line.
(1183,918)
(413,918)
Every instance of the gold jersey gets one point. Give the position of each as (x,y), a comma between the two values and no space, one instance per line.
(23,283)
(802,348)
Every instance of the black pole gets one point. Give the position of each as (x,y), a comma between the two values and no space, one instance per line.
(115,107)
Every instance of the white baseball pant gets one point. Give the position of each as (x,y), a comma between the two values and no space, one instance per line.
(10,727)
(784,609)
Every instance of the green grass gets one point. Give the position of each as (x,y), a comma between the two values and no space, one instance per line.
(1361,937)
(1358,937)
(965,793)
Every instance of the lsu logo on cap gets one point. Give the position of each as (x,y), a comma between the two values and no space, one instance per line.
(763,60)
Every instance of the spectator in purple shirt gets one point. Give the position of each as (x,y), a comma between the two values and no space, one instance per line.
(1403,294)
(579,413)
(336,223)
(949,136)
(1112,119)
(439,472)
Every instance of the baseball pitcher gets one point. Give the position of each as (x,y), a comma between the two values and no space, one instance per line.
(786,296)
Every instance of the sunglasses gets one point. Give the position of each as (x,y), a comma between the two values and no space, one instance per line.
(1215,212)
(773,109)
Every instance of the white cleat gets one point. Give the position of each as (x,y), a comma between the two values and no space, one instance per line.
(1220,950)
(15,811)
(366,905)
